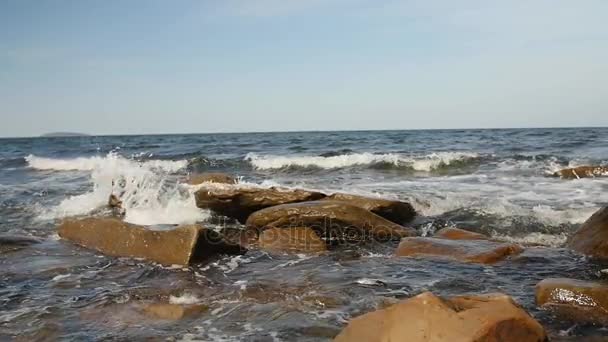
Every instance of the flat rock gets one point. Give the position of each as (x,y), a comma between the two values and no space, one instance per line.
(174,312)
(428,318)
(592,237)
(582,172)
(292,240)
(396,211)
(329,219)
(211,177)
(180,246)
(240,202)
(474,251)
(10,243)
(458,234)
(575,300)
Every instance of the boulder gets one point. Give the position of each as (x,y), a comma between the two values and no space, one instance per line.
(474,251)
(10,243)
(329,219)
(458,234)
(292,240)
(173,312)
(396,211)
(428,318)
(240,202)
(582,172)
(211,177)
(180,246)
(592,237)
(575,300)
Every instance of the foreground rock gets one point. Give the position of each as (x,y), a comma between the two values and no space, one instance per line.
(396,211)
(174,312)
(329,219)
(592,237)
(180,246)
(211,177)
(458,234)
(575,300)
(428,318)
(11,243)
(582,172)
(292,240)
(240,202)
(474,251)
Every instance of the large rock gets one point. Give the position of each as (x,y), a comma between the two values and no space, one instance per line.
(458,234)
(592,237)
(211,177)
(396,211)
(174,312)
(240,202)
(582,172)
(575,300)
(329,219)
(180,246)
(10,243)
(475,251)
(292,240)
(428,318)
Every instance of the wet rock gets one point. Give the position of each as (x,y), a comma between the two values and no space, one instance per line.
(174,312)
(330,220)
(181,246)
(427,317)
(592,237)
(396,211)
(576,300)
(458,234)
(292,240)
(211,177)
(240,202)
(474,251)
(10,243)
(582,172)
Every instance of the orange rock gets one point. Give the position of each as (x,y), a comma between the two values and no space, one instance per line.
(292,240)
(592,237)
(174,312)
(576,300)
(582,172)
(458,234)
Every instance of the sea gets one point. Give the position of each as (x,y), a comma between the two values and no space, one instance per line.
(493,181)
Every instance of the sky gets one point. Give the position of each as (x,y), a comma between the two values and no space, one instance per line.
(160,66)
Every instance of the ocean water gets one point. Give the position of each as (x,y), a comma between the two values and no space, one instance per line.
(491,181)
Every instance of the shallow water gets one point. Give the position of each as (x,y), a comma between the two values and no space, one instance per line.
(490,181)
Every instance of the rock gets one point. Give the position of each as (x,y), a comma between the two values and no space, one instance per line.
(10,243)
(174,312)
(240,202)
(292,240)
(582,172)
(211,177)
(475,251)
(429,318)
(592,237)
(575,300)
(396,211)
(180,246)
(329,219)
(458,234)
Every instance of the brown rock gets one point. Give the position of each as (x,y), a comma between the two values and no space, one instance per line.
(475,251)
(174,312)
(582,172)
(592,237)
(329,219)
(240,202)
(576,300)
(181,246)
(458,234)
(211,177)
(10,243)
(429,318)
(292,240)
(396,211)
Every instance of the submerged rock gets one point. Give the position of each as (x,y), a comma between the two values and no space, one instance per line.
(396,211)
(240,202)
(211,177)
(428,318)
(329,219)
(292,240)
(180,246)
(592,237)
(10,243)
(174,312)
(582,172)
(475,251)
(458,234)
(575,300)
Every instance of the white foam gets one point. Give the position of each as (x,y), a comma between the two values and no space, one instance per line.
(552,240)
(111,160)
(420,163)
(185,299)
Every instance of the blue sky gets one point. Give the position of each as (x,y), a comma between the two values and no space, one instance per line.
(156,66)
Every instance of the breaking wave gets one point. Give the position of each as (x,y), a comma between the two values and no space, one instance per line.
(112,160)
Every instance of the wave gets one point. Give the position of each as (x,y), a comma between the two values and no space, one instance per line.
(111,160)
(430,162)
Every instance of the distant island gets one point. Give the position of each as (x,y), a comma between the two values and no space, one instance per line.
(64,134)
